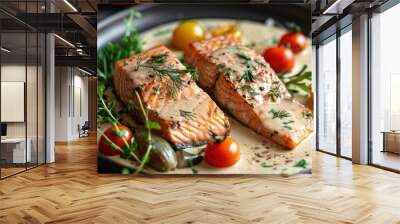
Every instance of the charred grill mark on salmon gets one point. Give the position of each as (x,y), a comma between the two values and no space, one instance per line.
(167,89)
(244,84)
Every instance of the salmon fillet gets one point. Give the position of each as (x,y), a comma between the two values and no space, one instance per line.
(186,114)
(245,85)
(198,55)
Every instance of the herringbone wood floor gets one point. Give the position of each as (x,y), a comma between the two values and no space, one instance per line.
(70,191)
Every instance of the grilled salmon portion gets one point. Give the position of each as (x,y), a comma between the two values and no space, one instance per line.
(198,55)
(186,114)
(246,86)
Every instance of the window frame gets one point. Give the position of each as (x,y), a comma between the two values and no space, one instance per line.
(337,34)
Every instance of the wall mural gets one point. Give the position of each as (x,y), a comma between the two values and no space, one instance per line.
(204,89)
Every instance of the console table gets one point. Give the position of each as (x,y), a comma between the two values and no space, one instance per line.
(391,141)
(13,150)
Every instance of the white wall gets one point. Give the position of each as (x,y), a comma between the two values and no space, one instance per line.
(71,102)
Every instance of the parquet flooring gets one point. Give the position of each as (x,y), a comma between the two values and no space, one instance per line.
(71,191)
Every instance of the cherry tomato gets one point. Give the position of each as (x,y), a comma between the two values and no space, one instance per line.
(186,33)
(281,59)
(297,42)
(116,135)
(222,154)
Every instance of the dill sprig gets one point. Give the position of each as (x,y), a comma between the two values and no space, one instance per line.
(274,93)
(156,62)
(248,76)
(158,59)
(187,114)
(243,56)
(279,114)
(250,90)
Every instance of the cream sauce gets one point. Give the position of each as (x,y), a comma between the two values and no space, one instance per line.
(234,62)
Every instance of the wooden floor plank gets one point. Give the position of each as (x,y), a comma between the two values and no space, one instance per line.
(71,191)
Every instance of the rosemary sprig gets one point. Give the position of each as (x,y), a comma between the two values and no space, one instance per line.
(297,82)
(187,114)
(279,114)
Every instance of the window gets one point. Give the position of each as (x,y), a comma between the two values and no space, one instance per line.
(346,92)
(326,140)
(385,89)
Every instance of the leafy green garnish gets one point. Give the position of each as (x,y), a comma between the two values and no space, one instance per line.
(157,59)
(194,72)
(279,114)
(119,133)
(130,44)
(149,126)
(243,56)
(265,165)
(250,90)
(125,171)
(297,82)
(302,164)
(274,93)
(248,76)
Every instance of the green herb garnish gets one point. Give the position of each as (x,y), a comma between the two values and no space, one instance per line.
(187,114)
(119,133)
(194,72)
(302,164)
(250,90)
(298,82)
(265,165)
(130,44)
(248,76)
(274,93)
(149,125)
(125,171)
(307,115)
(279,114)
(158,59)
(243,56)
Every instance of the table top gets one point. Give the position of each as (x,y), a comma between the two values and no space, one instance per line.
(391,132)
(13,140)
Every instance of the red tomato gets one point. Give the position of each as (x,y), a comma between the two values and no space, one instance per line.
(116,135)
(281,59)
(223,154)
(295,41)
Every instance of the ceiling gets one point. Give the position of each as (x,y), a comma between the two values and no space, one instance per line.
(74,21)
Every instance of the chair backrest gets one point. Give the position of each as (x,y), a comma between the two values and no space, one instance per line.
(86,125)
